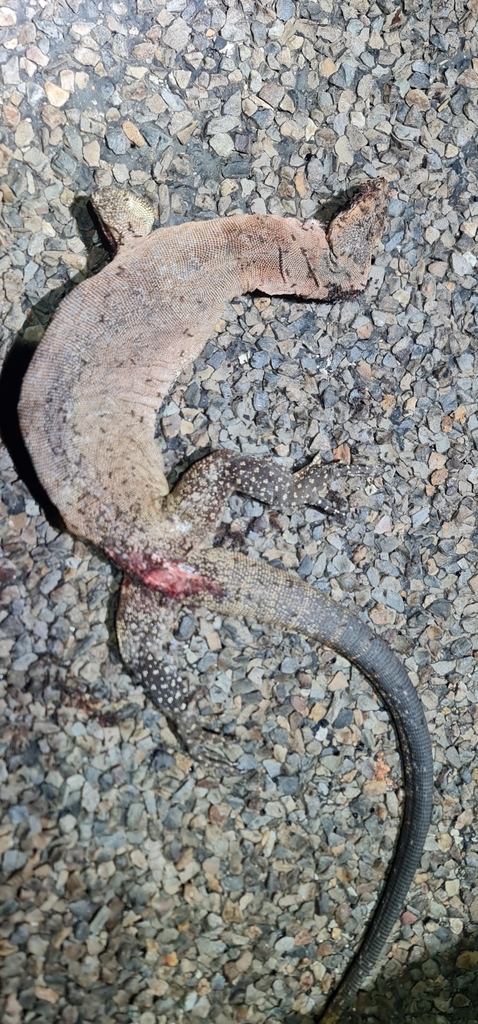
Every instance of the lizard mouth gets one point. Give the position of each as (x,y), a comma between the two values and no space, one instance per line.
(169,576)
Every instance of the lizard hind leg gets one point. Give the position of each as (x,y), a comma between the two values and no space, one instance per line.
(144,622)
(201,493)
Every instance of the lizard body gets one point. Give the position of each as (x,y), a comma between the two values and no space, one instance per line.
(87,412)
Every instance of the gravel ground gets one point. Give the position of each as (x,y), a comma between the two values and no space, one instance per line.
(136,887)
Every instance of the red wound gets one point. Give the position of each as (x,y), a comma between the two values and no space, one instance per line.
(176,580)
(169,577)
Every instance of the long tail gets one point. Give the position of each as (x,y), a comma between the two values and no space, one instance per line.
(244,586)
(272,595)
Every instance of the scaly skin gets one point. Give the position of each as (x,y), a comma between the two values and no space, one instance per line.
(87,412)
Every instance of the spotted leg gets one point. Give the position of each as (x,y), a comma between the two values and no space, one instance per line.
(144,623)
(203,489)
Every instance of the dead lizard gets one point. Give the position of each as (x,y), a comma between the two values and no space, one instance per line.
(87,413)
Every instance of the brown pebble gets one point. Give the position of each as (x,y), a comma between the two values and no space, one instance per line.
(133,133)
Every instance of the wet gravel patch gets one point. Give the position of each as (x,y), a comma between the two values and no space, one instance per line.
(136,886)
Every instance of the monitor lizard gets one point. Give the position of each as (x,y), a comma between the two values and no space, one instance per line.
(87,413)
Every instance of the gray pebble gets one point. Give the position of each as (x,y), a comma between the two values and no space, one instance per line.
(116,141)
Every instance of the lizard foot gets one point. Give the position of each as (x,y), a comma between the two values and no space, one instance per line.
(200,741)
(314,485)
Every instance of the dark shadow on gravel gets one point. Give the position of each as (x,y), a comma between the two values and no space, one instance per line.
(14,369)
(21,353)
(441,989)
